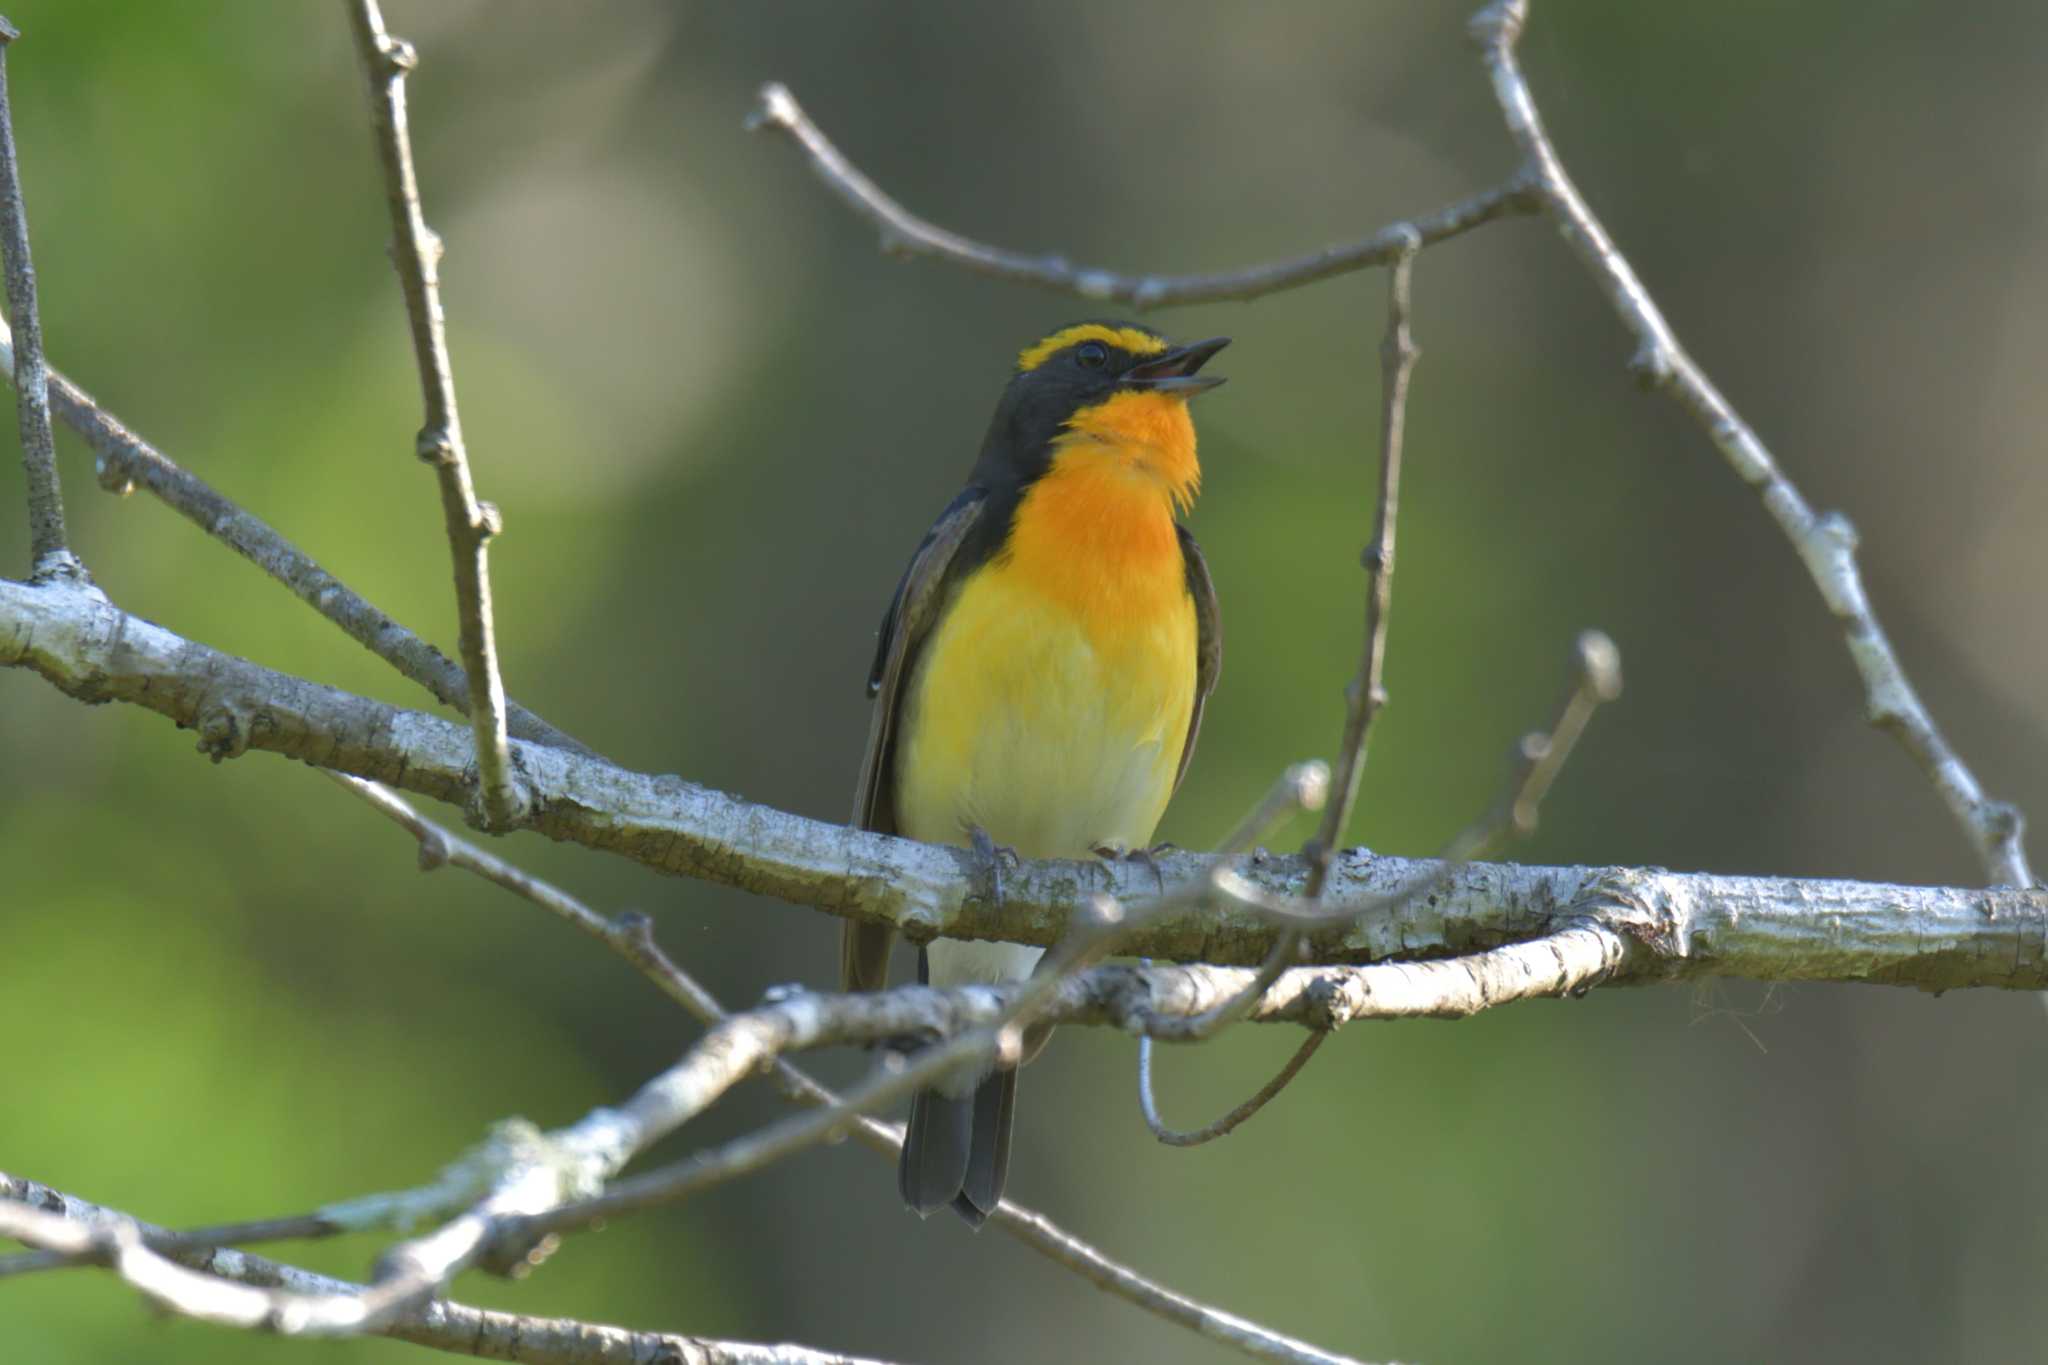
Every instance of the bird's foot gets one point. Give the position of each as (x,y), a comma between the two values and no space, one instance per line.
(993,855)
(1147,858)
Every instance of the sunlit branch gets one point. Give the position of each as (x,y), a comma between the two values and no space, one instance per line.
(1767,928)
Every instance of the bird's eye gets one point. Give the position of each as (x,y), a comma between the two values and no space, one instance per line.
(1092,354)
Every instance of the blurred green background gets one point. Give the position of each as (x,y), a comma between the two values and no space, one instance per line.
(716,420)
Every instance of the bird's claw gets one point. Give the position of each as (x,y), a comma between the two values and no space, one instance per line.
(1145,857)
(993,855)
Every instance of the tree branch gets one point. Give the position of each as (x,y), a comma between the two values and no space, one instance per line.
(1826,544)
(631,936)
(905,234)
(1363,700)
(226,1286)
(1367,692)
(49,548)
(1148,1107)
(416,251)
(1696,924)
(126,460)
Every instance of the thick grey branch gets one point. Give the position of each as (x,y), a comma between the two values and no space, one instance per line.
(1778,929)
(1826,543)
(416,250)
(49,549)
(905,234)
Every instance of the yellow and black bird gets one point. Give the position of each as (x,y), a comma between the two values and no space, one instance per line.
(1040,676)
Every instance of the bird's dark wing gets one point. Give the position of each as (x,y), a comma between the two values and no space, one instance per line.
(949,552)
(1208,641)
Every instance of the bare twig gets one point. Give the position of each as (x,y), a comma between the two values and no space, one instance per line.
(1049,1240)
(228,1286)
(1363,700)
(49,548)
(631,935)
(976,1020)
(1368,693)
(905,234)
(628,936)
(416,250)
(1826,543)
(119,1246)
(1285,953)
(1768,928)
(1538,759)
(742,1044)
(117,1241)
(298,1227)
(126,460)
(1228,1123)
(539,1183)
(1302,787)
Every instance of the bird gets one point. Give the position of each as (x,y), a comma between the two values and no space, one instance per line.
(1039,678)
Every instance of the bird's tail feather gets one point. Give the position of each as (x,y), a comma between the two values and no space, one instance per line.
(957,1151)
(937,1150)
(988,1158)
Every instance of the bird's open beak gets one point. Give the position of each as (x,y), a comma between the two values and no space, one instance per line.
(1174,372)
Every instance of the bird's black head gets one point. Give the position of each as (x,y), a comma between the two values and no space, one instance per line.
(1081,369)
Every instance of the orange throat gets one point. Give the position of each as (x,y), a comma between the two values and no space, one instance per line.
(1096,530)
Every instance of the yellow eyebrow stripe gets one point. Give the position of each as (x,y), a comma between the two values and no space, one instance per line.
(1131,339)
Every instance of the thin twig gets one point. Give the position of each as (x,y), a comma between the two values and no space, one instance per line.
(1285,953)
(905,234)
(1539,757)
(439,847)
(538,1184)
(188,1293)
(975,1021)
(1363,700)
(631,935)
(173,1271)
(126,461)
(744,1043)
(1368,693)
(298,1227)
(49,547)
(1226,1125)
(1302,787)
(1826,543)
(416,251)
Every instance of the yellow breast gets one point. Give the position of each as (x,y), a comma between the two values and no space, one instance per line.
(1051,703)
